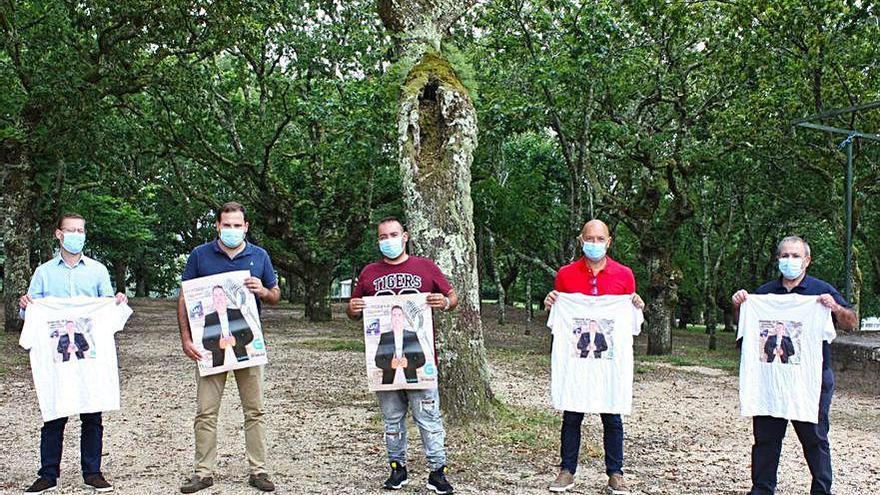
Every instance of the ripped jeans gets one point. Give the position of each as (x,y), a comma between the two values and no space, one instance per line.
(425,407)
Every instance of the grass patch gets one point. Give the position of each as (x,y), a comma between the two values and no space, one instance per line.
(514,432)
(333,344)
(525,427)
(520,357)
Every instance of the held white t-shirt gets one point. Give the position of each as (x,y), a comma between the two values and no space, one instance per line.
(592,356)
(780,372)
(73,353)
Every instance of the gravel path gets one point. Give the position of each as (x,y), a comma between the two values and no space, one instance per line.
(684,437)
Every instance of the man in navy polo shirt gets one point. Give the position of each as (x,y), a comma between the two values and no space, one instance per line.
(793,255)
(229,252)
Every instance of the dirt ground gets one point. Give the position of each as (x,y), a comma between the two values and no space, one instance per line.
(685,435)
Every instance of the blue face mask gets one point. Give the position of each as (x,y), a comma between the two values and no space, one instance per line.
(73,242)
(231,238)
(391,248)
(594,251)
(791,268)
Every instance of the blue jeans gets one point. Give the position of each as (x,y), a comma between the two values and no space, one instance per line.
(770,431)
(425,407)
(612,439)
(91,443)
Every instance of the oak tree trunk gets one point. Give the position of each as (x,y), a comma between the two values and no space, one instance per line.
(317,295)
(437,134)
(19,202)
(663,280)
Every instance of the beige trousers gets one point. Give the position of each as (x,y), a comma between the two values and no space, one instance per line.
(210,392)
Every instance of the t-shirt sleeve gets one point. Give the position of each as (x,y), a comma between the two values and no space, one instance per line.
(360,287)
(638,319)
(35,289)
(26,339)
(557,282)
(743,314)
(105,288)
(123,312)
(631,282)
(552,319)
(269,279)
(191,270)
(441,285)
(829,333)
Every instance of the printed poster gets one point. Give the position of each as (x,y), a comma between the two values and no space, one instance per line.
(399,342)
(224,322)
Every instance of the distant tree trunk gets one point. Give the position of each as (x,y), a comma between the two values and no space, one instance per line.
(120,269)
(663,280)
(728,319)
(437,134)
(19,201)
(141,286)
(685,313)
(508,280)
(492,266)
(530,308)
(317,294)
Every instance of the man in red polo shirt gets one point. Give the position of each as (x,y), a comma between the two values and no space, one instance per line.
(594,274)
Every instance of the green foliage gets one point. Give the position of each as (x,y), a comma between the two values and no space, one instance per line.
(668,120)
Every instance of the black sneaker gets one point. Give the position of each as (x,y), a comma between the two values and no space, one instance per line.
(42,485)
(437,481)
(98,483)
(195,484)
(398,477)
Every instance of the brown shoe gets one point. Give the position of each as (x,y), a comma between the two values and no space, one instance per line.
(564,482)
(617,485)
(261,482)
(196,483)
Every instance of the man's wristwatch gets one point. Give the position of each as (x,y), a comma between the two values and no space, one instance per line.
(445,308)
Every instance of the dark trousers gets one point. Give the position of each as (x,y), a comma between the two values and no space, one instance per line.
(612,439)
(91,443)
(769,432)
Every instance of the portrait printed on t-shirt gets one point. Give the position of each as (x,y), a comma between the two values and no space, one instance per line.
(72,339)
(591,338)
(780,341)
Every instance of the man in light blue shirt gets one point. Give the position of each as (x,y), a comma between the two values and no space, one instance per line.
(70,274)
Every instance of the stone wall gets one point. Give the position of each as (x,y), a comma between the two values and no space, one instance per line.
(856,360)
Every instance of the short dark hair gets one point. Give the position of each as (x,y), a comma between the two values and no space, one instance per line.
(64,217)
(397,306)
(229,207)
(392,218)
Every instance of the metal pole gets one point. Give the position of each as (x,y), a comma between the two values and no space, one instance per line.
(849,219)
